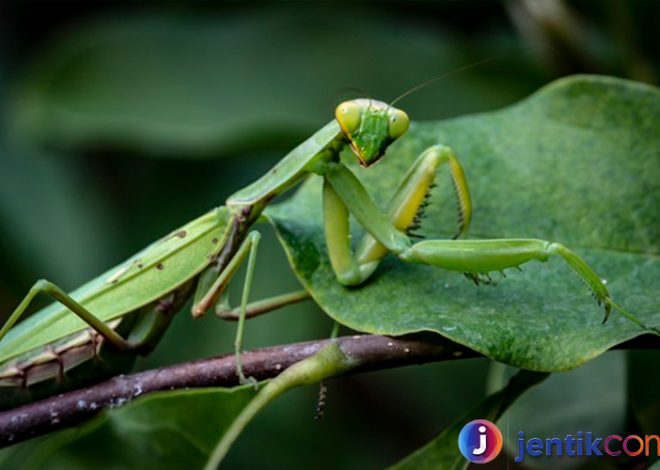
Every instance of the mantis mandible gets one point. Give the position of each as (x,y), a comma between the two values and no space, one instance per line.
(98,329)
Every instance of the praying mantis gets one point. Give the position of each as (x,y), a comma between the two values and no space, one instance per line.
(99,329)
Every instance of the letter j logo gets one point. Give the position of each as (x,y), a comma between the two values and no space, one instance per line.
(480,441)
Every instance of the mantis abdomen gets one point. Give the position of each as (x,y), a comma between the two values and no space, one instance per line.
(85,357)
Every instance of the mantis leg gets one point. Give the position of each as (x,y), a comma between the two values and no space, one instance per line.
(483,256)
(212,284)
(337,238)
(207,296)
(410,197)
(254,309)
(343,193)
(51,290)
(247,285)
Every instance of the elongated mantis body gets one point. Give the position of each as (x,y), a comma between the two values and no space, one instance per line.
(99,328)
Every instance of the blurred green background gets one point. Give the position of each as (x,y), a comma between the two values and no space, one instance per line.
(122,121)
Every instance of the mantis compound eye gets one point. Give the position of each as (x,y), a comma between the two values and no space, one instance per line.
(398,123)
(349,115)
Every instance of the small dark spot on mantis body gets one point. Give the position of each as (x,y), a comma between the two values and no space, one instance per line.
(214,241)
(181,233)
(160,266)
(140,265)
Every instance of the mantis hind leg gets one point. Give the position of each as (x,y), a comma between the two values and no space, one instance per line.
(483,256)
(49,289)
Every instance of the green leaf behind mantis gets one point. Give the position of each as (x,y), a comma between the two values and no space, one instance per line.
(578,163)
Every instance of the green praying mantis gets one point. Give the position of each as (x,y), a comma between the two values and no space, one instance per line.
(98,329)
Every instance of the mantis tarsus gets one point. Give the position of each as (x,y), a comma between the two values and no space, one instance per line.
(125,311)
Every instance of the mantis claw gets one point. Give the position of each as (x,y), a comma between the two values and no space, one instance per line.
(606,302)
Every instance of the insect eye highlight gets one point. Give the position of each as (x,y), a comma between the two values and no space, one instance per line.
(398,124)
(349,115)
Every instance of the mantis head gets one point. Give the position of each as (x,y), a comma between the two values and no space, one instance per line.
(370,126)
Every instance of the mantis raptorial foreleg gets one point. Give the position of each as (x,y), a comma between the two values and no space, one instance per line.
(410,198)
(353,269)
(337,238)
(49,289)
(342,192)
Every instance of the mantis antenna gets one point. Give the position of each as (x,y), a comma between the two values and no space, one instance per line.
(460,69)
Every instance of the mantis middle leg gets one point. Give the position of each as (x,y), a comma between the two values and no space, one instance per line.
(483,256)
(212,285)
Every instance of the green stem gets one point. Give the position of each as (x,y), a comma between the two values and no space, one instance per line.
(327,362)
(335,330)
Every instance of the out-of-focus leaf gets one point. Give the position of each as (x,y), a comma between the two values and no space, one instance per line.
(169,431)
(443,452)
(589,399)
(644,384)
(47,212)
(196,84)
(576,163)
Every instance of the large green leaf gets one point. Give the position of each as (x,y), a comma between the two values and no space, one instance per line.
(169,430)
(577,162)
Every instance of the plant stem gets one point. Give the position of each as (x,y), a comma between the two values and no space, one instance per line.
(328,362)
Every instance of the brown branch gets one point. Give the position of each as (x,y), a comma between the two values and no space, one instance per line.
(72,408)
(372,352)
